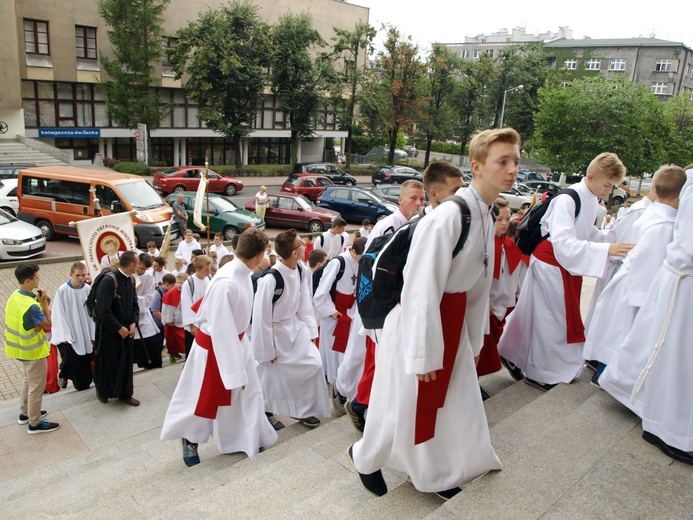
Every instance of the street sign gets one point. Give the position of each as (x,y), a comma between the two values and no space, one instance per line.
(141,143)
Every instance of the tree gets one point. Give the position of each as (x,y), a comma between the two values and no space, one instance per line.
(135,34)
(398,95)
(298,78)
(224,54)
(350,46)
(679,113)
(443,67)
(601,114)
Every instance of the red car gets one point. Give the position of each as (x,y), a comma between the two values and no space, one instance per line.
(187,178)
(291,210)
(310,186)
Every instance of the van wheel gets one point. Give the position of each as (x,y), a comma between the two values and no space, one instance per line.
(46,229)
(179,189)
(230,232)
(617,201)
(230,189)
(315,226)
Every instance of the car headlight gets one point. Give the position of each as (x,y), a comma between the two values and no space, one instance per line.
(11,242)
(144,217)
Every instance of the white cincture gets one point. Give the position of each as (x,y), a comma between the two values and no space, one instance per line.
(660,342)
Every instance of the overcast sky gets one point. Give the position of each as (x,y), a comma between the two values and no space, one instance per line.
(450,21)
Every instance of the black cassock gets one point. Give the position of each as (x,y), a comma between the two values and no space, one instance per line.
(113,355)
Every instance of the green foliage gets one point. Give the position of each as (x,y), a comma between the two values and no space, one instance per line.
(135,32)
(224,54)
(679,115)
(298,78)
(600,114)
(441,147)
(133,168)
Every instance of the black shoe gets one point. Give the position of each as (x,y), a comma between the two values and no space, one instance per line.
(62,383)
(374,482)
(101,398)
(24,419)
(190,456)
(541,386)
(274,421)
(338,400)
(484,396)
(594,381)
(682,456)
(358,419)
(448,493)
(516,373)
(592,365)
(43,427)
(311,422)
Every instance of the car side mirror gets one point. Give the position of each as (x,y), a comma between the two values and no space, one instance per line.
(116,207)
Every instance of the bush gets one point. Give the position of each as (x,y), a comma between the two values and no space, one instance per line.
(133,168)
(110,161)
(440,147)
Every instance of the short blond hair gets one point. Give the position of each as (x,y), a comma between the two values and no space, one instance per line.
(482,141)
(609,166)
(181,277)
(201,261)
(668,181)
(411,184)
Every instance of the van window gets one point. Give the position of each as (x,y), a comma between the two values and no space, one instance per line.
(106,196)
(140,195)
(60,191)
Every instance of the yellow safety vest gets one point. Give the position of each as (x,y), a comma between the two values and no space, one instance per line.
(21,343)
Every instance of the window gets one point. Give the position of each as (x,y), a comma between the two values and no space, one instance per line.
(663,65)
(490,53)
(85,42)
(551,62)
(285,203)
(476,54)
(465,53)
(167,43)
(340,194)
(617,64)
(659,88)
(689,70)
(570,64)
(593,64)
(36,37)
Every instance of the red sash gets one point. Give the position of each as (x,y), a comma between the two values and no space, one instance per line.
(342,302)
(572,285)
(213,394)
(431,395)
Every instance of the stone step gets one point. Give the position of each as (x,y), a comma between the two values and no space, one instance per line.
(15,152)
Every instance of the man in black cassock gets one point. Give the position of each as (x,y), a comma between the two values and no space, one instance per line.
(116,315)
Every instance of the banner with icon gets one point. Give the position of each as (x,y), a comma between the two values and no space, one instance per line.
(103,239)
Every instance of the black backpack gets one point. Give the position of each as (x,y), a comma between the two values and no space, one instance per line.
(528,234)
(278,278)
(317,275)
(378,293)
(90,303)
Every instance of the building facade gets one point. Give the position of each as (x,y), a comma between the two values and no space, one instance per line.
(49,86)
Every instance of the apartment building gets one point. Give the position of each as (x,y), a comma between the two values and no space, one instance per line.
(48,88)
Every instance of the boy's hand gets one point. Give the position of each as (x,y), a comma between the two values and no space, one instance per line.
(620,248)
(428,376)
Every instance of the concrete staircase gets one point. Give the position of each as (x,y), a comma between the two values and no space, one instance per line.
(570,453)
(14,152)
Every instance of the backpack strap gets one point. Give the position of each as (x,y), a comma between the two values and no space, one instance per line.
(342,265)
(576,198)
(279,284)
(466,217)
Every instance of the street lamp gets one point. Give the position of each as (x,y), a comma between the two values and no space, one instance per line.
(518,88)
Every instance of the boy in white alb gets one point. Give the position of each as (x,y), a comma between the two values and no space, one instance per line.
(651,371)
(621,300)
(336,309)
(332,241)
(219,248)
(426,417)
(544,335)
(193,289)
(218,393)
(289,365)
(186,247)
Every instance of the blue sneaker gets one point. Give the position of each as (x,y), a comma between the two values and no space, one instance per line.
(43,427)
(190,456)
(24,419)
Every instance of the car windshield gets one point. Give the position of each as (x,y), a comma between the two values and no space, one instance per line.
(169,171)
(6,218)
(525,189)
(304,202)
(140,195)
(224,205)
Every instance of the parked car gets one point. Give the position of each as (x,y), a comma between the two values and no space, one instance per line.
(522,188)
(516,199)
(395,174)
(331,171)
(8,196)
(388,193)
(411,151)
(528,175)
(355,204)
(306,184)
(399,154)
(543,186)
(619,195)
(19,240)
(11,170)
(291,210)
(224,215)
(187,178)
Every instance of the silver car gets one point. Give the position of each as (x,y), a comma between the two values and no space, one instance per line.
(19,240)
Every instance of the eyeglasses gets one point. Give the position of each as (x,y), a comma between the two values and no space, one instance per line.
(302,244)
